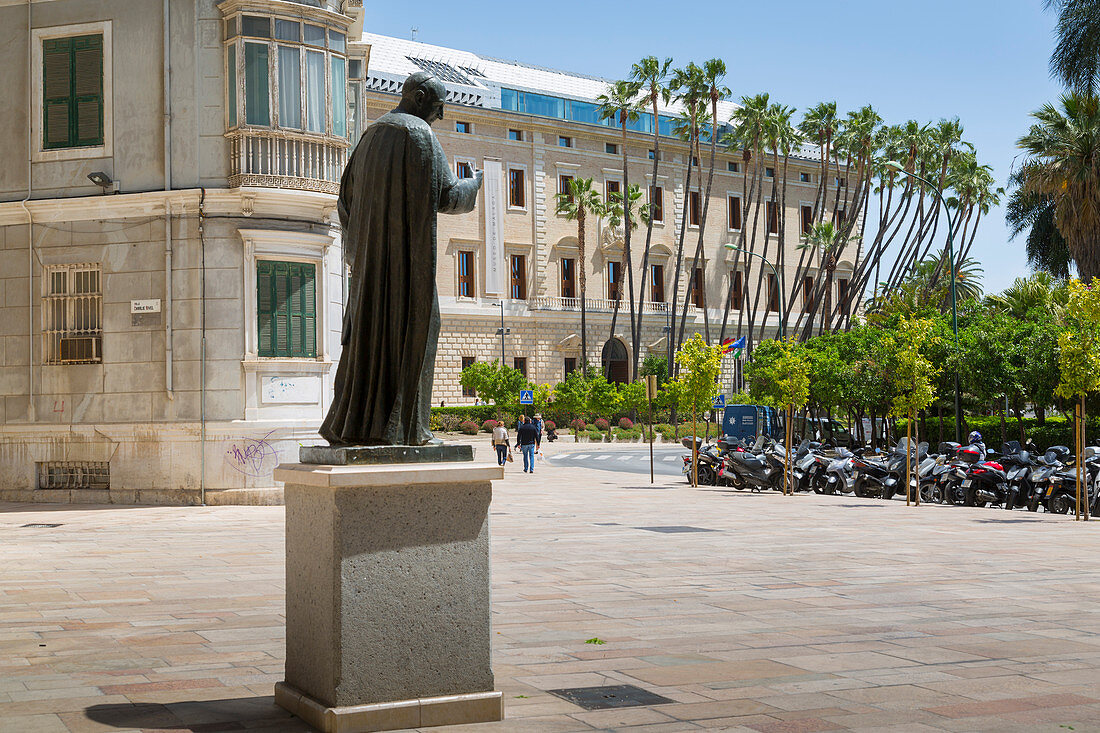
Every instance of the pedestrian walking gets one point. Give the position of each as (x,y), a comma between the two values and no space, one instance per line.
(525,438)
(538,435)
(500,442)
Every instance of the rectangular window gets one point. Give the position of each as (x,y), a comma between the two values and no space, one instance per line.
(315,90)
(652,154)
(570,365)
(841,290)
(697,288)
(466,273)
(695,161)
(231,83)
(807,293)
(737,290)
(733,167)
(72,92)
(565,142)
(657,285)
(805,177)
(611,148)
(614,279)
(773,294)
(769,172)
(339,97)
(841,217)
(518,270)
(771,213)
(520,364)
(288,30)
(695,208)
(257,109)
(733,210)
(463,169)
(516,135)
(315,35)
(568,277)
(807,213)
(256,25)
(657,203)
(336,41)
(355,68)
(564,187)
(841,182)
(517,192)
(286,309)
(73,312)
(290,85)
(463,127)
(611,187)
(467,361)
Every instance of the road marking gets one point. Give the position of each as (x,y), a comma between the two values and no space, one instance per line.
(669,458)
(601,458)
(624,458)
(579,456)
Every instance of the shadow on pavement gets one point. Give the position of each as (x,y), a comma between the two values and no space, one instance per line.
(200,716)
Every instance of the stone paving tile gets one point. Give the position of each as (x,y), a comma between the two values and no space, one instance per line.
(801,613)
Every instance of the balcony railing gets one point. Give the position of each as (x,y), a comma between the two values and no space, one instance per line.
(278,159)
(592,305)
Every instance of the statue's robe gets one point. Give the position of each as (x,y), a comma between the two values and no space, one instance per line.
(396,181)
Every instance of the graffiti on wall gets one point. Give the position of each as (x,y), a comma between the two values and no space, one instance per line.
(253,456)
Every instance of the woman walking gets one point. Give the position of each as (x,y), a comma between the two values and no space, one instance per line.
(500,442)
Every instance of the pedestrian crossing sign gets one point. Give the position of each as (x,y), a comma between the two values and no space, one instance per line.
(720,402)
(527,397)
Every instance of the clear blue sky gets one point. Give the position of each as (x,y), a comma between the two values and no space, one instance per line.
(984,62)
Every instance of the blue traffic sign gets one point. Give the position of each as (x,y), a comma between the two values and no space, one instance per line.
(720,402)
(527,397)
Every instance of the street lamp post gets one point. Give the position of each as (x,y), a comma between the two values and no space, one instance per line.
(954,301)
(502,330)
(778,287)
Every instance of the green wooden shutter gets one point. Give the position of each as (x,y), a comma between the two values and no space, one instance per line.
(56,88)
(309,312)
(88,91)
(265,308)
(282,309)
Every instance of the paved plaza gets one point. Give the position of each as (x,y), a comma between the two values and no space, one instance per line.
(750,612)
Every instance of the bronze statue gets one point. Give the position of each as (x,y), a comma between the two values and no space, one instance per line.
(395,182)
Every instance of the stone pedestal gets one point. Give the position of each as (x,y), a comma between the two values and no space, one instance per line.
(387,595)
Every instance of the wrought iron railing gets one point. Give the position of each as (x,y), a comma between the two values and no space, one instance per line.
(280,159)
(592,305)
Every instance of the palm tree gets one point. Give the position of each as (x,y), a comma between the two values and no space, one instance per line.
(1063,149)
(1039,290)
(819,125)
(1027,211)
(621,102)
(650,74)
(576,205)
(688,85)
(826,240)
(1075,60)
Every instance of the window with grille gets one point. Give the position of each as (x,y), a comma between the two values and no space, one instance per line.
(518,289)
(733,211)
(286,309)
(657,203)
(73,315)
(74,475)
(466,271)
(568,277)
(657,286)
(72,92)
(517,193)
(467,361)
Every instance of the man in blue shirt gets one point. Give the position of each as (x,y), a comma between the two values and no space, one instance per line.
(527,438)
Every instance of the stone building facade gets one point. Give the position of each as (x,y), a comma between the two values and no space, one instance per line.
(540,127)
(170,266)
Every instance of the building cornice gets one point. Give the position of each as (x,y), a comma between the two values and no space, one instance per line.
(259,202)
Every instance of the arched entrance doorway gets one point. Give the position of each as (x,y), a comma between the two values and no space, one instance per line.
(615,361)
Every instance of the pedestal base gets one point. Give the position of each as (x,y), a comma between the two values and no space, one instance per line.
(478,707)
(387,594)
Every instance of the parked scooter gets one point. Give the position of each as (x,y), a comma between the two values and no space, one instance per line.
(839,474)
(709,461)
(748,469)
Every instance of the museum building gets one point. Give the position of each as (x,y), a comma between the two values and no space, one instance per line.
(532,130)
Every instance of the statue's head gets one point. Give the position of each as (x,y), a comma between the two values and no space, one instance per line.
(423,95)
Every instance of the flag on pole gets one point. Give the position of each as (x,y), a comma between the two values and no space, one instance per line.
(735,346)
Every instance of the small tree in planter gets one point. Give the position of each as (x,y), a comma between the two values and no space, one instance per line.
(912,374)
(700,367)
(1079,367)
